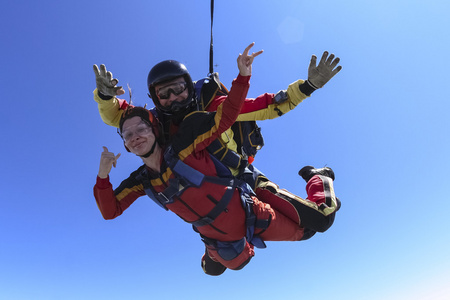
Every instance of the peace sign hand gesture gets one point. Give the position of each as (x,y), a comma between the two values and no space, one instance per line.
(245,61)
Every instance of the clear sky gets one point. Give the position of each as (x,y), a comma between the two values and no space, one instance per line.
(382,124)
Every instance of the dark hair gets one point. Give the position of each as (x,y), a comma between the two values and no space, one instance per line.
(147,117)
(137,111)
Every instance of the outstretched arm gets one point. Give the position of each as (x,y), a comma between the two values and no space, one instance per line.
(199,129)
(109,107)
(228,111)
(270,106)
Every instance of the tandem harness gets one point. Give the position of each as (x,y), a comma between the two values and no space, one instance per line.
(247,134)
(186,176)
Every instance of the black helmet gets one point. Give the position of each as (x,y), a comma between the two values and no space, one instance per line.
(165,71)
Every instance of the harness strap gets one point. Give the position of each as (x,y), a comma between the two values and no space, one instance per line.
(192,177)
(217,210)
(186,176)
(155,198)
(251,221)
(174,188)
(190,174)
(229,158)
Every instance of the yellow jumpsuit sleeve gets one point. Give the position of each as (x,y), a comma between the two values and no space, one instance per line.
(109,110)
(272,111)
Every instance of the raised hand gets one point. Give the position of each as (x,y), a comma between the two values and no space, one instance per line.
(107,161)
(320,75)
(106,84)
(245,61)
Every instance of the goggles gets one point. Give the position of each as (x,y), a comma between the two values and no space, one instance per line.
(174,88)
(139,130)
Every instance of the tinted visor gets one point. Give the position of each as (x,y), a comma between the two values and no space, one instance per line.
(174,88)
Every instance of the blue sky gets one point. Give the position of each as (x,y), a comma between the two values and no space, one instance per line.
(381,124)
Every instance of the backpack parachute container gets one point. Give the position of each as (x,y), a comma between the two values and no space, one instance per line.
(246,134)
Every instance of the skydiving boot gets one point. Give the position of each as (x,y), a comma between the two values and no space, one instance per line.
(210,266)
(309,171)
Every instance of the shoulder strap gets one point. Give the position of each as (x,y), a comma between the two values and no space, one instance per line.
(208,88)
(144,179)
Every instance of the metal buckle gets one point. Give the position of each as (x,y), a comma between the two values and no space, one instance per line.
(162,195)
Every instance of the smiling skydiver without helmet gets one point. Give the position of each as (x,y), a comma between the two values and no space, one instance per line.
(148,121)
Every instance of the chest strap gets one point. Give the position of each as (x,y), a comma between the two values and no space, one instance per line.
(185,177)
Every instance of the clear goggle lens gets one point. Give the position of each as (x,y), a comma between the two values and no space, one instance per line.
(139,130)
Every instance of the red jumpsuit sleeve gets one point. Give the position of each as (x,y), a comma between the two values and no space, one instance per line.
(230,109)
(226,112)
(265,107)
(250,104)
(200,128)
(107,201)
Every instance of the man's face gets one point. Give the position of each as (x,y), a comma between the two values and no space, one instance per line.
(138,136)
(174,90)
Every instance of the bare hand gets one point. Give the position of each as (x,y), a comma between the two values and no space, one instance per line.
(107,161)
(106,84)
(245,61)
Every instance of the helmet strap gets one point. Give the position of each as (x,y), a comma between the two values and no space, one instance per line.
(149,152)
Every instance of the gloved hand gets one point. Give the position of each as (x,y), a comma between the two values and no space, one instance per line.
(106,85)
(318,76)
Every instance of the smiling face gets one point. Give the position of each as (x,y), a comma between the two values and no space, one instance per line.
(138,136)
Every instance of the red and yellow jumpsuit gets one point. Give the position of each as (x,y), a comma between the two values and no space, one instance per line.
(285,212)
